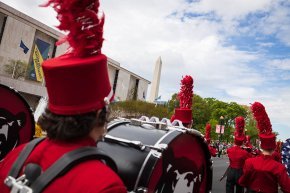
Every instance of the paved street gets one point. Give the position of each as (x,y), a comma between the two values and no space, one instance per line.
(219,167)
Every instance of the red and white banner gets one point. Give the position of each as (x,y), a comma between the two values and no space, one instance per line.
(220,129)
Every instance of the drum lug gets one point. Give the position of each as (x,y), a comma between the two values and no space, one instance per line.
(154,121)
(156,154)
(142,190)
(162,146)
(158,148)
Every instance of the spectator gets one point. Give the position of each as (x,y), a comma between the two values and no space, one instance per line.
(212,150)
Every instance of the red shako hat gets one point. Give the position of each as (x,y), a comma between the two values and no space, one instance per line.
(207,132)
(78,81)
(268,139)
(239,132)
(184,112)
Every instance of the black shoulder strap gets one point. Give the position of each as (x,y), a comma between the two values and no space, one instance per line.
(66,162)
(17,165)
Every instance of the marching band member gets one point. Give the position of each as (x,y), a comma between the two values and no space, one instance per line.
(212,150)
(237,157)
(79,93)
(263,173)
(248,146)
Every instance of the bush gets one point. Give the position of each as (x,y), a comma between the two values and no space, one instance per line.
(136,109)
(16,68)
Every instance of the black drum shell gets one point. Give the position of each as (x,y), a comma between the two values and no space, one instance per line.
(141,168)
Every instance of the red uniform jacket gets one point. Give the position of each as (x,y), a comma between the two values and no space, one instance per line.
(237,157)
(91,176)
(277,156)
(263,174)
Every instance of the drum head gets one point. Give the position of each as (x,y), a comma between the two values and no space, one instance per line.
(16,120)
(185,167)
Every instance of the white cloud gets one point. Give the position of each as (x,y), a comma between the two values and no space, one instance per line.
(276,22)
(241,92)
(279,112)
(283,64)
(230,9)
(285,76)
(266,44)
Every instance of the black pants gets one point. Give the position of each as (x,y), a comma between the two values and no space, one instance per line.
(233,176)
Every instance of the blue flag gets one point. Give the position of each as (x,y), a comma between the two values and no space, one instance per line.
(24,47)
(286,155)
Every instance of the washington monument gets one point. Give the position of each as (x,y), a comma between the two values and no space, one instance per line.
(156,80)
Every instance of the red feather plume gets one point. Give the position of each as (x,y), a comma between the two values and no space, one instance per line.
(263,121)
(80,19)
(207,131)
(239,125)
(186,92)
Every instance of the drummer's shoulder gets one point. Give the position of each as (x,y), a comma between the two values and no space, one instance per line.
(95,171)
(112,184)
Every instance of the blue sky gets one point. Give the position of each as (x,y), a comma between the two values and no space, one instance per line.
(235,50)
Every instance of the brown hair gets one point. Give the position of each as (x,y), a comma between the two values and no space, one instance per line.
(71,127)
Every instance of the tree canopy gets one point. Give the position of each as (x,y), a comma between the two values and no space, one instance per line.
(209,110)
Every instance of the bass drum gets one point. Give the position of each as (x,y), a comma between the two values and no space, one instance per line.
(17,124)
(169,161)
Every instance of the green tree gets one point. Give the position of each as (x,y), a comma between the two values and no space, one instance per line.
(16,68)
(251,127)
(173,103)
(136,109)
(200,113)
(234,110)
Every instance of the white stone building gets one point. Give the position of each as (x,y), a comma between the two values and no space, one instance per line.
(22,38)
